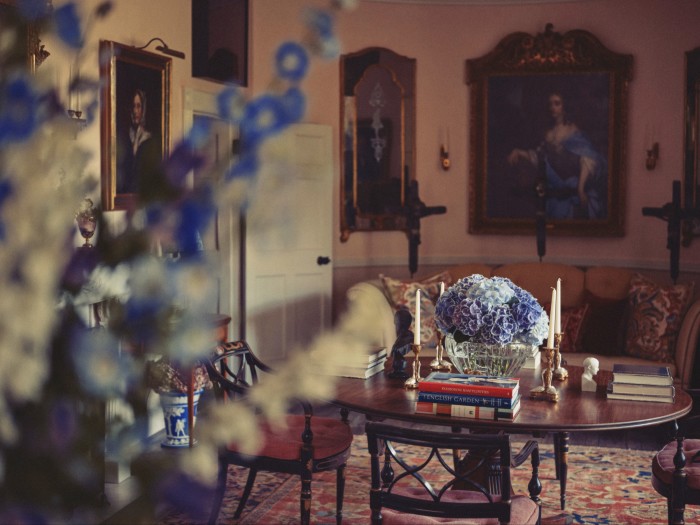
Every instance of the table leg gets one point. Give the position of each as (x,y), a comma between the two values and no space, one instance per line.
(563,452)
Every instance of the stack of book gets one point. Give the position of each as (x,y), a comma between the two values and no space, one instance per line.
(363,366)
(534,360)
(642,383)
(473,396)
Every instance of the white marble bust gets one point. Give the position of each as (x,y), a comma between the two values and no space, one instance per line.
(590,368)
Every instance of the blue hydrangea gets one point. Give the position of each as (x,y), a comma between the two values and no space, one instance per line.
(491,310)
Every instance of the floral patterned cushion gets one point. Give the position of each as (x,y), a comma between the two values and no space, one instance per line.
(573,324)
(403,295)
(655,316)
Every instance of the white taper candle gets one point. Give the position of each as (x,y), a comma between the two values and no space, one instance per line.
(552,314)
(416,324)
(557,326)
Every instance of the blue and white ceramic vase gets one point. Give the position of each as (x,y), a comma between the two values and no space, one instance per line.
(175,412)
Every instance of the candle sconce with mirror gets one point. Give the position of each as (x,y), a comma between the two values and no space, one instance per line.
(87,222)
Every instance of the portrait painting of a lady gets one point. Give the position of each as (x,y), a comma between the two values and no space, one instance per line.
(135,124)
(553,129)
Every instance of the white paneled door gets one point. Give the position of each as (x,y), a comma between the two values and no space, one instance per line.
(289,243)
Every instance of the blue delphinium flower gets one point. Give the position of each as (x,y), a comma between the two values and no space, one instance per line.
(180,162)
(20,116)
(101,368)
(321,21)
(294,103)
(321,27)
(493,311)
(5,192)
(68,28)
(195,214)
(199,134)
(231,104)
(246,166)
(264,117)
(292,61)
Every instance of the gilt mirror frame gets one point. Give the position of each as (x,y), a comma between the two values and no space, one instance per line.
(512,89)
(377,139)
(32,52)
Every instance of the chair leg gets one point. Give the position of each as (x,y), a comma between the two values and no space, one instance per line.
(246,492)
(305,499)
(219,493)
(340,493)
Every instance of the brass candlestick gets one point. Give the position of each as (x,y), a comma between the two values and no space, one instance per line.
(559,373)
(440,363)
(546,392)
(412,382)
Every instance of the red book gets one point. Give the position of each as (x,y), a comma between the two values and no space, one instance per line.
(506,387)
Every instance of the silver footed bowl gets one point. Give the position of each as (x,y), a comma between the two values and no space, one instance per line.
(488,359)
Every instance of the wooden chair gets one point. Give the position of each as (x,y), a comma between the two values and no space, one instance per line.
(675,469)
(402,492)
(304,446)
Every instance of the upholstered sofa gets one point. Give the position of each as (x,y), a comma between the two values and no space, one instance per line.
(617,315)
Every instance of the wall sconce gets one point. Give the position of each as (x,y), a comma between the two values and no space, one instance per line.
(652,156)
(73,110)
(163,48)
(444,149)
(444,158)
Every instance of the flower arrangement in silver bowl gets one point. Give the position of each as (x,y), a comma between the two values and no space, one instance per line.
(491,325)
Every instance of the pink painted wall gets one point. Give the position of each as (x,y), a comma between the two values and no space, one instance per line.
(441,38)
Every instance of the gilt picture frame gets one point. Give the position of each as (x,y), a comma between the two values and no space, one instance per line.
(134,123)
(548,132)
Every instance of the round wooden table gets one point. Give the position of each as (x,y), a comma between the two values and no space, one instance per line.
(381,397)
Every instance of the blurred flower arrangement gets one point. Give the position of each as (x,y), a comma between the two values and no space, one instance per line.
(51,367)
(492,311)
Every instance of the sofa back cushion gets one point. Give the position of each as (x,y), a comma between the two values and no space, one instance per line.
(655,316)
(608,283)
(402,294)
(465,270)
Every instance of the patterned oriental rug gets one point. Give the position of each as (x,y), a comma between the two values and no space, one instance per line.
(605,486)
